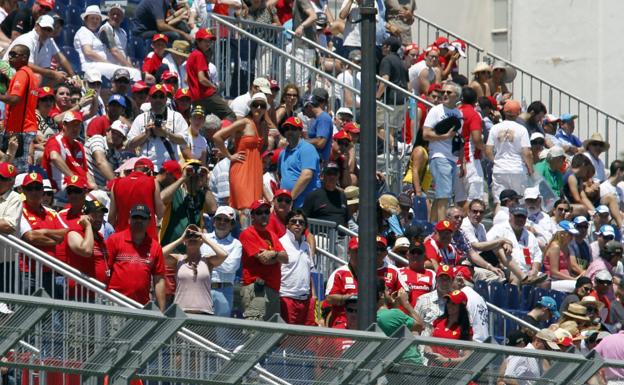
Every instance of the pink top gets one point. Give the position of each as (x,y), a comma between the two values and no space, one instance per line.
(612,347)
(193,287)
(563,264)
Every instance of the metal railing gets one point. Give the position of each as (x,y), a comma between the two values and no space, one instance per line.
(62,281)
(144,345)
(528,87)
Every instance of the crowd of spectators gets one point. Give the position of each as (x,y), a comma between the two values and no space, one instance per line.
(163,190)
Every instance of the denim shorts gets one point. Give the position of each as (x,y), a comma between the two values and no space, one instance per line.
(443,172)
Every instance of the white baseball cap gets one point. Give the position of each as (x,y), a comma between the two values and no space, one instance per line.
(263,85)
(344,110)
(120,127)
(93,76)
(45,21)
(531,193)
(227,211)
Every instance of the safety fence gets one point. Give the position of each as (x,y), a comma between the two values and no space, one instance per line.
(528,87)
(94,343)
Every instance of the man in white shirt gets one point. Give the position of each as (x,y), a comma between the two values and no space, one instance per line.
(508,146)
(159,133)
(538,222)
(525,251)
(222,279)
(10,216)
(42,50)
(297,297)
(425,72)
(522,370)
(594,146)
(240,105)
(115,38)
(442,159)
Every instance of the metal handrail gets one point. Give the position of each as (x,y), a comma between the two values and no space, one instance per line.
(294,59)
(357,67)
(124,301)
(512,317)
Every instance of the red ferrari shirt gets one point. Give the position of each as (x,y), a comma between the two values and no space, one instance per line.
(195,63)
(129,191)
(93,266)
(36,219)
(417,282)
(435,252)
(21,117)
(151,63)
(133,267)
(98,126)
(451,332)
(68,221)
(472,122)
(71,151)
(254,241)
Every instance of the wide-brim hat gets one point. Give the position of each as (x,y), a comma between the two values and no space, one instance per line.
(596,137)
(510,72)
(590,300)
(180,47)
(93,10)
(482,67)
(577,311)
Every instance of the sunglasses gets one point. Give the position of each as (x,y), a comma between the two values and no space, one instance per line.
(258,105)
(292,95)
(73,190)
(601,282)
(563,209)
(477,211)
(15,54)
(138,218)
(608,237)
(124,80)
(284,200)
(343,143)
(222,220)
(33,187)
(262,212)
(297,222)
(351,310)
(446,92)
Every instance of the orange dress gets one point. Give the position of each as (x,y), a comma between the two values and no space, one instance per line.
(246,177)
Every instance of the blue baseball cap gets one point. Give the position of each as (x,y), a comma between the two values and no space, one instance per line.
(568,226)
(602,209)
(119,99)
(580,219)
(606,230)
(567,117)
(549,303)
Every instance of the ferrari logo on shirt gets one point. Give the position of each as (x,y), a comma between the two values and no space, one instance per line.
(454,333)
(349,280)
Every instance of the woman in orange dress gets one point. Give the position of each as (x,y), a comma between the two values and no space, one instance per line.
(246,167)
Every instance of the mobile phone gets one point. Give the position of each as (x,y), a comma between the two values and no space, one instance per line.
(90,92)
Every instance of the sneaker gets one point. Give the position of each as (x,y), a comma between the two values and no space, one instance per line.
(535,280)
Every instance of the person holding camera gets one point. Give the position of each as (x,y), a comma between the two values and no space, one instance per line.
(186,200)
(159,133)
(193,269)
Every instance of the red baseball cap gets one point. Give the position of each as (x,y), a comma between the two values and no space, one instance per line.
(275,156)
(144,162)
(157,88)
(45,92)
(75,181)
(46,3)
(445,269)
(7,170)
(273,84)
(267,153)
(441,42)
(139,86)
(169,89)
(33,177)
(258,204)
(182,93)
(203,34)
(444,226)
(411,46)
(457,297)
(293,121)
(160,36)
(173,168)
(494,102)
(168,75)
(283,191)
(342,134)
(431,48)
(72,116)
(382,240)
(434,87)
(464,272)
(353,243)
(351,127)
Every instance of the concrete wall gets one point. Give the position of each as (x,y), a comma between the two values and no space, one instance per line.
(574,44)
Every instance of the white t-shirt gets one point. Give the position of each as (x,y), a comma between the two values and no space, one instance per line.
(415,70)
(441,148)
(154,148)
(119,39)
(544,226)
(502,216)
(618,190)
(351,35)
(526,242)
(508,139)
(474,234)
(198,144)
(600,174)
(348,79)
(40,53)
(83,37)
(240,105)
(296,273)
(478,314)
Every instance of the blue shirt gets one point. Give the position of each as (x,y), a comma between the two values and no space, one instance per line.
(322,127)
(569,139)
(292,161)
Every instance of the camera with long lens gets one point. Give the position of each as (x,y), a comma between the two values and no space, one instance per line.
(158,122)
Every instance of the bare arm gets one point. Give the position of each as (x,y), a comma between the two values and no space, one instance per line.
(220,254)
(59,163)
(230,131)
(64,63)
(79,245)
(120,56)
(45,237)
(489,152)
(381,88)
(159,207)
(418,159)
(302,182)
(528,159)
(101,163)
(159,289)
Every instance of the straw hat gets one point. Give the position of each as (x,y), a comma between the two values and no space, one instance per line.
(590,300)
(577,311)
(596,137)
(572,328)
(510,72)
(353,195)
(180,47)
(389,203)
(482,67)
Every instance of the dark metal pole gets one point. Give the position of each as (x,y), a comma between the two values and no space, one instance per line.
(367,283)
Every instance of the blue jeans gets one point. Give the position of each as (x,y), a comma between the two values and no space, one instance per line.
(223,300)
(443,172)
